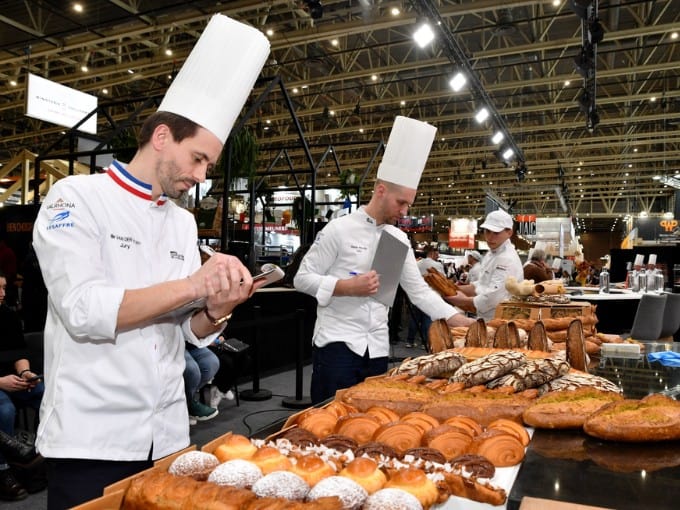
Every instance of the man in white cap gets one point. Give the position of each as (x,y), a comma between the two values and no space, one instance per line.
(121,263)
(474,258)
(501,261)
(351,339)
(483,296)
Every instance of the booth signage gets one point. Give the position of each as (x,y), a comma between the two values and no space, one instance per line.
(526,224)
(462,233)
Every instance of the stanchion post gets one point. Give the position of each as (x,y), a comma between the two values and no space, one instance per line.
(298,402)
(256,394)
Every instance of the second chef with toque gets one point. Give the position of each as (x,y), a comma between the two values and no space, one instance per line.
(120,260)
(351,338)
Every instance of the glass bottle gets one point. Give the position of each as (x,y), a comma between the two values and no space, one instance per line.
(604,280)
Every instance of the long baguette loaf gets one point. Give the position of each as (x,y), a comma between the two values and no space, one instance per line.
(440,283)
(567,409)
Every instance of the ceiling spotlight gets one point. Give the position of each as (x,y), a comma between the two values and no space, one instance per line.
(580,7)
(508,153)
(424,35)
(458,82)
(315,8)
(497,138)
(482,115)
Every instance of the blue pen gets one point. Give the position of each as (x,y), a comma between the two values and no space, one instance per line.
(353,273)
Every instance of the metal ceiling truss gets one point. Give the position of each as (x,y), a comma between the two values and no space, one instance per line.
(521,51)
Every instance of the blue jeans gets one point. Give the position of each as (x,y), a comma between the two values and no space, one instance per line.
(201,366)
(9,401)
(335,367)
(418,321)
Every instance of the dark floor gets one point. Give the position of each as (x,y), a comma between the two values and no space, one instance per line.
(245,419)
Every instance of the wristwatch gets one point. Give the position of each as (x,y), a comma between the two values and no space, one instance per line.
(213,320)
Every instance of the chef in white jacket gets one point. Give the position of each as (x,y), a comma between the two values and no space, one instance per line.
(120,261)
(351,339)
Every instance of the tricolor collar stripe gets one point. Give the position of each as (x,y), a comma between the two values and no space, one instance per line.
(130,183)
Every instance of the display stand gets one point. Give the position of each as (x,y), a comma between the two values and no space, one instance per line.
(298,401)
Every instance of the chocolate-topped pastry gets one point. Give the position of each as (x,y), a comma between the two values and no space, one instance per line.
(425,453)
(339,442)
(476,465)
(376,449)
(299,437)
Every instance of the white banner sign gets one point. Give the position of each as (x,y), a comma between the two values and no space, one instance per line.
(56,103)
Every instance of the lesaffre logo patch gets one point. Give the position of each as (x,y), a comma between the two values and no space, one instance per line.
(60,220)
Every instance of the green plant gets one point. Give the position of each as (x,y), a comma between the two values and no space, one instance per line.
(244,150)
(347,178)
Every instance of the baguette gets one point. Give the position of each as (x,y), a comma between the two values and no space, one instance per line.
(567,409)
(440,283)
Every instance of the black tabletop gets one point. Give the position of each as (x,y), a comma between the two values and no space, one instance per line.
(570,466)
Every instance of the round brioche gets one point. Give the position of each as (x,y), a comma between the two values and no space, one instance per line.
(312,469)
(365,472)
(350,492)
(269,459)
(235,446)
(236,473)
(415,482)
(281,484)
(195,464)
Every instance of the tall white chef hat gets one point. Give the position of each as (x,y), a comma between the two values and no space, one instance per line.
(639,260)
(652,259)
(217,77)
(406,152)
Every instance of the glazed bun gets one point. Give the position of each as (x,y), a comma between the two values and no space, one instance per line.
(312,469)
(365,472)
(415,482)
(235,446)
(269,459)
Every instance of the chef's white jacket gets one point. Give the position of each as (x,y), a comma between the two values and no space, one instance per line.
(346,246)
(495,267)
(112,394)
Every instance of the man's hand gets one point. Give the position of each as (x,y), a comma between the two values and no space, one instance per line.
(11,383)
(224,282)
(462,301)
(365,284)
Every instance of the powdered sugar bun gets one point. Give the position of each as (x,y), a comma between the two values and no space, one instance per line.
(392,499)
(281,484)
(195,464)
(350,493)
(236,473)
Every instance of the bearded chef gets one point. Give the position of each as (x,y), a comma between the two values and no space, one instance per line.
(351,339)
(120,261)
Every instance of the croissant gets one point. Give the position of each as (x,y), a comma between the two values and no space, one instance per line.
(511,427)
(359,427)
(440,283)
(465,423)
(423,421)
(449,440)
(501,448)
(319,422)
(383,414)
(399,435)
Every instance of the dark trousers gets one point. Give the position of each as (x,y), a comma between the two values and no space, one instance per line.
(336,367)
(71,482)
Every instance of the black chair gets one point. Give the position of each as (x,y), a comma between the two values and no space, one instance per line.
(648,320)
(671,317)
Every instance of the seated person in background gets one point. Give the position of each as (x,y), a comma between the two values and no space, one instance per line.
(17,388)
(420,321)
(234,362)
(501,261)
(536,269)
(201,366)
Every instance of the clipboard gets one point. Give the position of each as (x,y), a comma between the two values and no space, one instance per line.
(388,262)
